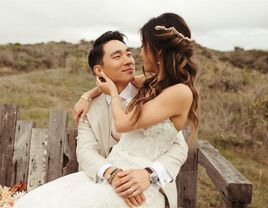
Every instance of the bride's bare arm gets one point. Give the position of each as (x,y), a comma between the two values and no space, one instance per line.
(82,106)
(162,107)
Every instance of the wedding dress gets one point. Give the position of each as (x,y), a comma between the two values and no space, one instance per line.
(136,149)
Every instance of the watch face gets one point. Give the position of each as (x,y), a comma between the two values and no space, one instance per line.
(154,177)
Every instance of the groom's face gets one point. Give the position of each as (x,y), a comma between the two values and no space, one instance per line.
(118,62)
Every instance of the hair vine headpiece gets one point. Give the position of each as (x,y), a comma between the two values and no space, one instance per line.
(172,29)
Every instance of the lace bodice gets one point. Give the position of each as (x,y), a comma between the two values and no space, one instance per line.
(139,148)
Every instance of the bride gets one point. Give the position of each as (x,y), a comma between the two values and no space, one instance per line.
(166,100)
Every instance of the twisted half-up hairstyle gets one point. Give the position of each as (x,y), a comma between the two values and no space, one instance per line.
(169,35)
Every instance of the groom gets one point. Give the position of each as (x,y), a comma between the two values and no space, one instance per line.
(97,135)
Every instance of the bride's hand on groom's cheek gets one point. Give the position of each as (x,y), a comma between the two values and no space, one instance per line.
(106,85)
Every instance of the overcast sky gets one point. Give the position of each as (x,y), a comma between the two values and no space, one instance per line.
(217,24)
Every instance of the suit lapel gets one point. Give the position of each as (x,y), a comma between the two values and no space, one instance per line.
(105,116)
(112,142)
(100,120)
(105,126)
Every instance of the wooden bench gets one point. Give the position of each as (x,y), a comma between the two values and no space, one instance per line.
(36,156)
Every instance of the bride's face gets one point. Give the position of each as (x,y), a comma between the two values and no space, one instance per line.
(148,60)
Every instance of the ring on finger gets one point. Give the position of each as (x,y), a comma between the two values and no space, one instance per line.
(130,190)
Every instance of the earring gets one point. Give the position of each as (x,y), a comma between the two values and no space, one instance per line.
(158,63)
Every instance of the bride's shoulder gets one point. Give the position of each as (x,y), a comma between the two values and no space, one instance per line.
(182,91)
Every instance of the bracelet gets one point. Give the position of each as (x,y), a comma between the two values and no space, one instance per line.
(84,97)
(113,174)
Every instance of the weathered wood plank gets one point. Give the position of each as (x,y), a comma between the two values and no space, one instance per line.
(187,178)
(38,158)
(224,203)
(71,165)
(56,137)
(21,151)
(8,118)
(235,189)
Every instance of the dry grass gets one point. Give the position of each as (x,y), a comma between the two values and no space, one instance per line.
(39,92)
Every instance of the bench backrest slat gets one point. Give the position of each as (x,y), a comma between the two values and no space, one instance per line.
(38,158)
(8,119)
(21,151)
(56,138)
(70,164)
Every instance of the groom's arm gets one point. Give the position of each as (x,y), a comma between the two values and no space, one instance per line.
(88,151)
(91,161)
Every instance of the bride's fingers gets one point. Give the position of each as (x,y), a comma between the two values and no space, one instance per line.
(125,189)
(142,197)
(98,81)
(83,115)
(122,174)
(137,192)
(75,116)
(133,191)
(104,75)
(128,202)
(122,181)
(134,201)
(139,200)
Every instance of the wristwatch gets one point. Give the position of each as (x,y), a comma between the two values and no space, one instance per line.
(153,177)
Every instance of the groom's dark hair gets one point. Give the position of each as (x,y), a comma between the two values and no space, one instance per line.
(96,53)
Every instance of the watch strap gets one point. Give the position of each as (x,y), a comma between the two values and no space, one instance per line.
(153,177)
(149,170)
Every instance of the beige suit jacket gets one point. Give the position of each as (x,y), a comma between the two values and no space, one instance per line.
(94,142)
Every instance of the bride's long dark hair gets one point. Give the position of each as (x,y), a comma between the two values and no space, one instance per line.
(178,67)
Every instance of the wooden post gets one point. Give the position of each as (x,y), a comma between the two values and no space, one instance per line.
(187,177)
(225,203)
(8,118)
(71,165)
(38,158)
(56,137)
(21,151)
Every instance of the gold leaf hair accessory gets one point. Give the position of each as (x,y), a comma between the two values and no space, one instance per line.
(172,29)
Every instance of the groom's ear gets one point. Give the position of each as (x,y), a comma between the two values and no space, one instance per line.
(97,69)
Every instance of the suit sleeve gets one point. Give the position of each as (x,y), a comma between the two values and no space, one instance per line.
(175,157)
(88,150)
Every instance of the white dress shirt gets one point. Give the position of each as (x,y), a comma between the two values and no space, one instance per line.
(161,171)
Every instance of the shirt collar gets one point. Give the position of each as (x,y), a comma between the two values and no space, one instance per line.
(126,93)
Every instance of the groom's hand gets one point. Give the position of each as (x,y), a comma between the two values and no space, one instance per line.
(132,182)
(134,201)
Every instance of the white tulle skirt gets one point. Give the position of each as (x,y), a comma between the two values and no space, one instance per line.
(77,190)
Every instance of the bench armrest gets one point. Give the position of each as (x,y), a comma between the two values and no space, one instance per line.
(234,188)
